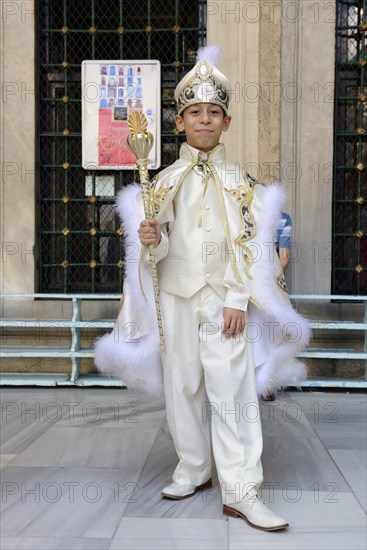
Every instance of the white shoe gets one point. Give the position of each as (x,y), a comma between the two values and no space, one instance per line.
(254,511)
(177,491)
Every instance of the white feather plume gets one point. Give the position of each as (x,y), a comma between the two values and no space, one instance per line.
(211,54)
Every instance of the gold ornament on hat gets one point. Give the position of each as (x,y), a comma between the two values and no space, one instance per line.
(204,83)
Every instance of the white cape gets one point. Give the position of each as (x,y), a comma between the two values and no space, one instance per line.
(132,351)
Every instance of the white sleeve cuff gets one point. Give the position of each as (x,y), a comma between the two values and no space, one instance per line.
(236,300)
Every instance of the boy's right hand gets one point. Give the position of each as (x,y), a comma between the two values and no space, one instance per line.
(149,232)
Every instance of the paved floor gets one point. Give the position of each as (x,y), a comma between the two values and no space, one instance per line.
(83,469)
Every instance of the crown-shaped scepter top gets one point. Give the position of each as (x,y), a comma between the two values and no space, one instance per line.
(139,141)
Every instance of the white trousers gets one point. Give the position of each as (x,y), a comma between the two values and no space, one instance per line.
(208,378)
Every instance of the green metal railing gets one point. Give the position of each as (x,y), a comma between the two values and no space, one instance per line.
(79,236)
(73,351)
(350,150)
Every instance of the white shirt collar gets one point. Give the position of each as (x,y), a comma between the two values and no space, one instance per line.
(187,152)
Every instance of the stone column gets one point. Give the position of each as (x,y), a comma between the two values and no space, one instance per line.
(18,146)
(307,111)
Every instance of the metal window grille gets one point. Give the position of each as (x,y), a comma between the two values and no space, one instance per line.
(350,150)
(79,236)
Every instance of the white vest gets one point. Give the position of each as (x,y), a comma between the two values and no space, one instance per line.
(197,248)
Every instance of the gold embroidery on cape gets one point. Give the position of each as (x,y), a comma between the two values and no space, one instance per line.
(244,194)
(226,226)
(255,302)
(240,193)
(281,282)
(175,191)
(157,198)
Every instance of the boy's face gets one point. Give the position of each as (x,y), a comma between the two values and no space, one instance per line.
(203,125)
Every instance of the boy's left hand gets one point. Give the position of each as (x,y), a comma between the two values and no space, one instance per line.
(234,321)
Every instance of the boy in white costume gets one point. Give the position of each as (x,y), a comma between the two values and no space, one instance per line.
(210,220)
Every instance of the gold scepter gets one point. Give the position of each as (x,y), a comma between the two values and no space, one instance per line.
(140,142)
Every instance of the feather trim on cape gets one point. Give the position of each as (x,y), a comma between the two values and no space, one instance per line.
(132,350)
(279,368)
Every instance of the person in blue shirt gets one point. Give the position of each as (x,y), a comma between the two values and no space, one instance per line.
(282,245)
(283,242)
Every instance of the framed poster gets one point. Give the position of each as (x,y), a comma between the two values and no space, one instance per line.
(111,90)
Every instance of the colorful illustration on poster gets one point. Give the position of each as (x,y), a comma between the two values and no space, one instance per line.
(121,92)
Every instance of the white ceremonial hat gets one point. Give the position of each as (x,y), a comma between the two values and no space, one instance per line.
(204,83)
